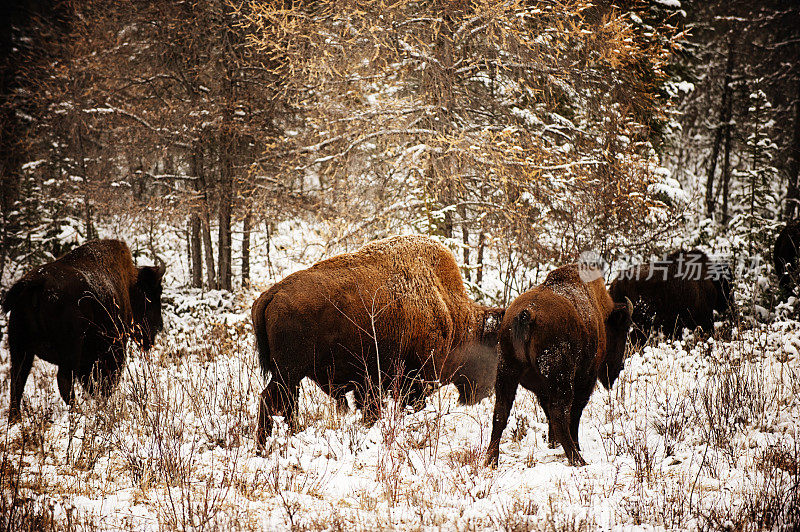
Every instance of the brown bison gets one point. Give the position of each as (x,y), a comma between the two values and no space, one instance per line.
(556,340)
(681,291)
(395,305)
(785,255)
(78,312)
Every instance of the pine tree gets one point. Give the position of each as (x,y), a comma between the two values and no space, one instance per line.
(759,201)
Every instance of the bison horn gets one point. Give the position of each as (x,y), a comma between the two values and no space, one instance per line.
(629,305)
(161,266)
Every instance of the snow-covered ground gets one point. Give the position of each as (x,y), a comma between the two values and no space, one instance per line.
(695,435)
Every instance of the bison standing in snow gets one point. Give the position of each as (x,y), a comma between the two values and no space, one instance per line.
(78,312)
(681,291)
(556,340)
(395,305)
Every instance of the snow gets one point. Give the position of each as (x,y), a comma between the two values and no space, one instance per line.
(686,431)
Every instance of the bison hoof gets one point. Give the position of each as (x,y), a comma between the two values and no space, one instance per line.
(14,416)
(492,458)
(577,461)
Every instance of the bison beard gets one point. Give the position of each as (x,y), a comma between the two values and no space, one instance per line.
(557,340)
(78,312)
(397,304)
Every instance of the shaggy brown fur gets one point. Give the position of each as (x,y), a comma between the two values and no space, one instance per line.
(675,302)
(398,304)
(555,340)
(78,312)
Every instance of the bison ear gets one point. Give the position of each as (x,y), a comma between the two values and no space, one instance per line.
(621,315)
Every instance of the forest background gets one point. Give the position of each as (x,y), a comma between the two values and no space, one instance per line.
(532,131)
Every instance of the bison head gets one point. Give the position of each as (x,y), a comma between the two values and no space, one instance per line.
(146,304)
(618,324)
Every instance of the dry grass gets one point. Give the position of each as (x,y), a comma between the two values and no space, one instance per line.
(693,435)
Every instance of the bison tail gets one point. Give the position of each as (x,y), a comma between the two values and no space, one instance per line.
(260,330)
(521,333)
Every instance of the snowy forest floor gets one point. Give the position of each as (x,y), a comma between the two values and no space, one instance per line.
(696,434)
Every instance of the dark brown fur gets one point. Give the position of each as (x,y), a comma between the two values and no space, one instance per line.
(556,340)
(78,312)
(674,303)
(399,303)
(785,256)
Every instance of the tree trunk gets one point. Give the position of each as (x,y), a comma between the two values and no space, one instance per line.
(726,169)
(202,212)
(90,232)
(195,225)
(225,207)
(723,113)
(196,249)
(481,246)
(462,213)
(269,244)
(211,275)
(248,220)
(793,163)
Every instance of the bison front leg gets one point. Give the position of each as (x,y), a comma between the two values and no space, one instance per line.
(414,392)
(551,435)
(505,390)
(342,407)
(21,363)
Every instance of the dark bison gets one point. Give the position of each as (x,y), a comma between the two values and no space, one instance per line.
(397,304)
(681,291)
(557,340)
(78,312)
(786,254)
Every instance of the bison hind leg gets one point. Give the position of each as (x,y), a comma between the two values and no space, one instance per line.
(276,399)
(560,423)
(578,404)
(64,379)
